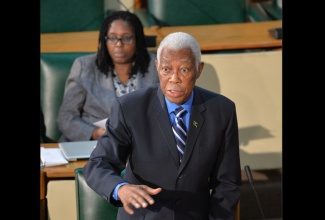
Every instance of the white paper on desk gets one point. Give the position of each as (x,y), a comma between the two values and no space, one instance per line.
(52,157)
(101,123)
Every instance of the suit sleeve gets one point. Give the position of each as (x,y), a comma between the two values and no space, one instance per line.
(103,170)
(69,119)
(226,179)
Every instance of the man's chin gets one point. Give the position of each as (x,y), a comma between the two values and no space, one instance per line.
(175,99)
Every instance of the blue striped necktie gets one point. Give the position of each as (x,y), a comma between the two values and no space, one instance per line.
(179,130)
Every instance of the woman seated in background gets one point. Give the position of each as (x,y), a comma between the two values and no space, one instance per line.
(121,65)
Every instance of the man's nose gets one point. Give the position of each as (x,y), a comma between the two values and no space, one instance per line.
(174,76)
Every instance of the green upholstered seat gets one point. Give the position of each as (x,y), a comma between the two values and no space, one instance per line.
(70,16)
(54,70)
(90,205)
(185,12)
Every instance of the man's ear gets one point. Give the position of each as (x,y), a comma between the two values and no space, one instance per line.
(156,62)
(201,65)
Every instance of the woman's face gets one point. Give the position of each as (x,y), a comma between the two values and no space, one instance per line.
(123,50)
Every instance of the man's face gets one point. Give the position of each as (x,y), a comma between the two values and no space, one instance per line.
(177,74)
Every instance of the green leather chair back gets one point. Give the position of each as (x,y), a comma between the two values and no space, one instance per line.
(90,205)
(54,70)
(193,12)
(71,15)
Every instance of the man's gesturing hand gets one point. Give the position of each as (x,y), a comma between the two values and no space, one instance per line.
(137,196)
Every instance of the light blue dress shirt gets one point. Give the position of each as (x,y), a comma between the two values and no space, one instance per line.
(187,106)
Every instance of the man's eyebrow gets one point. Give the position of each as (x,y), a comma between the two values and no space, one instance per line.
(181,60)
(185,60)
(165,59)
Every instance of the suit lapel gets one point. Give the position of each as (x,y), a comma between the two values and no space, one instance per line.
(164,126)
(195,126)
(137,82)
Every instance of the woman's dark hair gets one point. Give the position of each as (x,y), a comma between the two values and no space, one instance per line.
(141,57)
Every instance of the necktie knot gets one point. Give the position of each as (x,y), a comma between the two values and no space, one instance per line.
(179,111)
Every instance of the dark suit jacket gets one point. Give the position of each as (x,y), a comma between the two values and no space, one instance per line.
(139,131)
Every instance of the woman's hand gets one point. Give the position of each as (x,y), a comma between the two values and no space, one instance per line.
(97,133)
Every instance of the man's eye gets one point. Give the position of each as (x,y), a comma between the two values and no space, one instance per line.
(185,71)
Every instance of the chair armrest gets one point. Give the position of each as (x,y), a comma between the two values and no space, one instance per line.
(264,11)
(257,13)
(271,8)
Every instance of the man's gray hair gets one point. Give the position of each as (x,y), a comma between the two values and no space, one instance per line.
(180,40)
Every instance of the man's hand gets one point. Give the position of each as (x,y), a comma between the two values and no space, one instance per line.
(137,196)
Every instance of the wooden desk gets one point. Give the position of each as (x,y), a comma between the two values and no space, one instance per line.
(210,37)
(63,171)
(251,35)
(56,172)
(86,41)
(43,204)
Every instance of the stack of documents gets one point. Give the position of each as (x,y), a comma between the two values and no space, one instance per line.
(52,157)
(101,123)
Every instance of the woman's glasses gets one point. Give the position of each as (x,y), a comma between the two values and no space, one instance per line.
(124,40)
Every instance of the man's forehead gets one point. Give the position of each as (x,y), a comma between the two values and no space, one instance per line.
(167,49)
(168,60)
(182,55)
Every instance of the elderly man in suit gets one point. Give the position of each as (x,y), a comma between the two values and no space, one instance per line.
(194,174)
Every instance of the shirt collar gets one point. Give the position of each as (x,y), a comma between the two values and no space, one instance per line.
(187,105)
